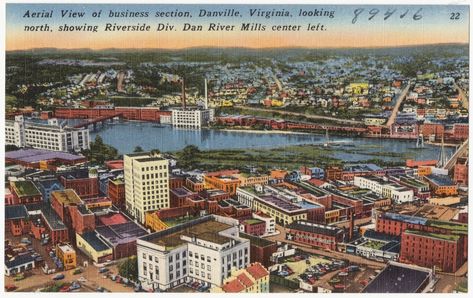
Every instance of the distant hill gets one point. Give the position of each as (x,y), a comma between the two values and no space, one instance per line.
(401,50)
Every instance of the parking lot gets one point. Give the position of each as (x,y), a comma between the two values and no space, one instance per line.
(36,279)
(329,273)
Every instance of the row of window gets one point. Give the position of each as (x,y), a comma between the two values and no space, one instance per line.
(154,168)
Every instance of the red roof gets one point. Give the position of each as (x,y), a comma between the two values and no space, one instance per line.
(316,182)
(257,271)
(114,219)
(245,280)
(115,164)
(233,287)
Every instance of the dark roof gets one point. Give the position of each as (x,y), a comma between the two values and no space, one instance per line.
(48,183)
(19,260)
(36,155)
(397,279)
(441,180)
(314,228)
(94,241)
(372,234)
(257,241)
(52,219)
(121,233)
(35,206)
(15,212)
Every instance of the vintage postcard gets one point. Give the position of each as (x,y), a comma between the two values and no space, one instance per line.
(236,148)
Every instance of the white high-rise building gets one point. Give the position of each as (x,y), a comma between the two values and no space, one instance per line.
(206,250)
(146,183)
(50,136)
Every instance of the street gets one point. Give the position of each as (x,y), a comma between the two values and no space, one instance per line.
(333,254)
(399,101)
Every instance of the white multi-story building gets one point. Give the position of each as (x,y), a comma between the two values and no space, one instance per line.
(193,118)
(270,222)
(395,192)
(50,136)
(146,183)
(205,250)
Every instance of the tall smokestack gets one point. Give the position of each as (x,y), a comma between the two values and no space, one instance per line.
(206,100)
(352,226)
(183,96)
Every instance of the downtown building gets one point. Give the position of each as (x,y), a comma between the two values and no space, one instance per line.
(427,242)
(51,136)
(205,250)
(397,193)
(146,183)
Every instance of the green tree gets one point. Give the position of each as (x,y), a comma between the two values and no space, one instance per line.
(188,155)
(129,268)
(99,152)
(138,149)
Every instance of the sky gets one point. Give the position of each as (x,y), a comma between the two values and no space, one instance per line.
(435,26)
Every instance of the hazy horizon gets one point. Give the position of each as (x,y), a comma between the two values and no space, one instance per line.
(243,47)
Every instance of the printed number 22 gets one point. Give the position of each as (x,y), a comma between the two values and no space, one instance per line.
(454,16)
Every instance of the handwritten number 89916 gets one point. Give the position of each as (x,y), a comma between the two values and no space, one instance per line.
(372,13)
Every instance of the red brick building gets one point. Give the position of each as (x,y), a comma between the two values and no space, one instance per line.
(445,252)
(460,131)
(16,220)
(460,171)
(261,249)
(82,219)
(176,182)
(84,186)
(116,192)
(180,195)
(315,234)
(428,129)
(23,192)
(130,113)
(253,227)
(194,184)
(453,236)
(61,200)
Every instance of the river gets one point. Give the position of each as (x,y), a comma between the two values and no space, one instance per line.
(125,136)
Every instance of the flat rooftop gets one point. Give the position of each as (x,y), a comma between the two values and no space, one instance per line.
(67,196)
(314,228)
(361,167)
(433,235)
(66,248)
(37,155)
(181,192)
(437,212)
(25,188)
(280,203)
(94,241)
(205,228)
(257,241)
(441,180)
(121,233)
(16,212)
(398,279)
(454,227)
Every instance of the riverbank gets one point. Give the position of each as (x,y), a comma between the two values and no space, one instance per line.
(282,132)
(283,157)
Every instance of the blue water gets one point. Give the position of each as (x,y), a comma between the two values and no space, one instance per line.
(125,136)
